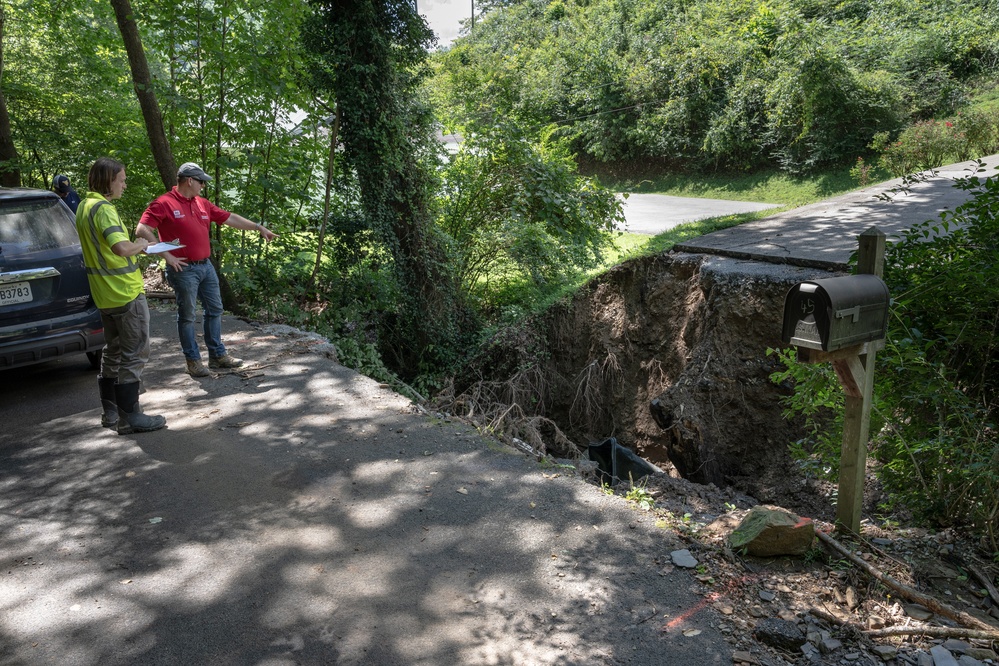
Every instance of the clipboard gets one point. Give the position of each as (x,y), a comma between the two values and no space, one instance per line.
(157,248)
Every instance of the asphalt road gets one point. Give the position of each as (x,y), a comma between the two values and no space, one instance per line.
(304,514)
(653,214)
(823,235)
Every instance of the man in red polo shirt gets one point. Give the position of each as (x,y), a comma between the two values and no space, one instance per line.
(182,214)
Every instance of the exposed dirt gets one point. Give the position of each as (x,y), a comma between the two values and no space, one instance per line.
(154,278)
(669,355)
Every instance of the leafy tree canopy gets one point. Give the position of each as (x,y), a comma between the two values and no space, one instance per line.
(718,83)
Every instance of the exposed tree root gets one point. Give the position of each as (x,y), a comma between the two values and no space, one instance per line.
(498,409)
(931,632)
(592,384)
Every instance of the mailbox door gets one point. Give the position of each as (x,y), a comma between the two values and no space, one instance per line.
(806,316)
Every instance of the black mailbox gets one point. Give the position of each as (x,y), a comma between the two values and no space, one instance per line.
(834,313)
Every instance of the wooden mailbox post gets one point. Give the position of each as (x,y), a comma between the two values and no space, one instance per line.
(815,336)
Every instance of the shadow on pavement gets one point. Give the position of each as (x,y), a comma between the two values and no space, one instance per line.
(308,516)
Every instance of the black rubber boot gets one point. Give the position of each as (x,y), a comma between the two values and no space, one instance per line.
(130,416)
(109,419)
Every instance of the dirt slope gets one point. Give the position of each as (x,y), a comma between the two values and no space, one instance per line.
(668,355)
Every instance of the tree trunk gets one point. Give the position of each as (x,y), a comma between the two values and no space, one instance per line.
(371,50)
(334,139)
(10,170)
(142,81)
(222,101)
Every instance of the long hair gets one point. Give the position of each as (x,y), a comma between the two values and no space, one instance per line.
(102,173)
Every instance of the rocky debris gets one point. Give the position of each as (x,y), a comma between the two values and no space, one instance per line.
(741,657)
(942,656)
(982,654)
(771,532)
(585,469)
(828,600)
(155,282)
(305,342)
(886,652)
(917,612)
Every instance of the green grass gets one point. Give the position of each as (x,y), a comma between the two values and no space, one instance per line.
(520,298)
(986,97)
(631,246)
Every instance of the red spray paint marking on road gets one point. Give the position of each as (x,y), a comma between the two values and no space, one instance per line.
(728,588)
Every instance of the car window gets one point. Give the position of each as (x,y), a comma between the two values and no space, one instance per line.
(33,226)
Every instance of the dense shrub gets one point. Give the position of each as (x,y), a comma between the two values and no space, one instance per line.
(924,145)
(719,83)
(825,112)
(930,144)
(515,211)
(980,133)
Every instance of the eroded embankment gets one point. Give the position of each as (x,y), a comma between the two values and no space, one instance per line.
(665,353)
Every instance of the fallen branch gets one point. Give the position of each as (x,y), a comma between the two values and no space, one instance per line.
(929,602)
(986,583)
(829,617)
(934,632)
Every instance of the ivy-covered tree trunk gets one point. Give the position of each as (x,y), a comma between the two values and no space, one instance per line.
(10,172)
(368,54)
(327,195)
(143,83)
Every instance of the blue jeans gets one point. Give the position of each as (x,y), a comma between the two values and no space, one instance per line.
(198,282)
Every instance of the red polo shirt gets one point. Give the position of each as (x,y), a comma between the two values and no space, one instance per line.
(189,220)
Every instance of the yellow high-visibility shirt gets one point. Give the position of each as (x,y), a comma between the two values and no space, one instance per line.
(114,281)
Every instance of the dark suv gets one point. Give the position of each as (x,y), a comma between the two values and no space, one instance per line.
(46,310)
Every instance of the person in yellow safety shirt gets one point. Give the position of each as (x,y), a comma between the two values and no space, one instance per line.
(117,288)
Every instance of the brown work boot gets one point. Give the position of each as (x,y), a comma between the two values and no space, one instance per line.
(196,368)
(224,362)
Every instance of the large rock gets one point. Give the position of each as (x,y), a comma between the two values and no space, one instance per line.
(771,531)
(780,634)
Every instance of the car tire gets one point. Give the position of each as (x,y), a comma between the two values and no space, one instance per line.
(95,358)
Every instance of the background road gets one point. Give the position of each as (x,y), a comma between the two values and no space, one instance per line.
(653,214)
(824,234)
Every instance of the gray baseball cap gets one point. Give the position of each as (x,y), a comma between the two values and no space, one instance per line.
(192,170)
(60,184)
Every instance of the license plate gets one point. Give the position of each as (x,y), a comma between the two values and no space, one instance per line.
(14,293)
